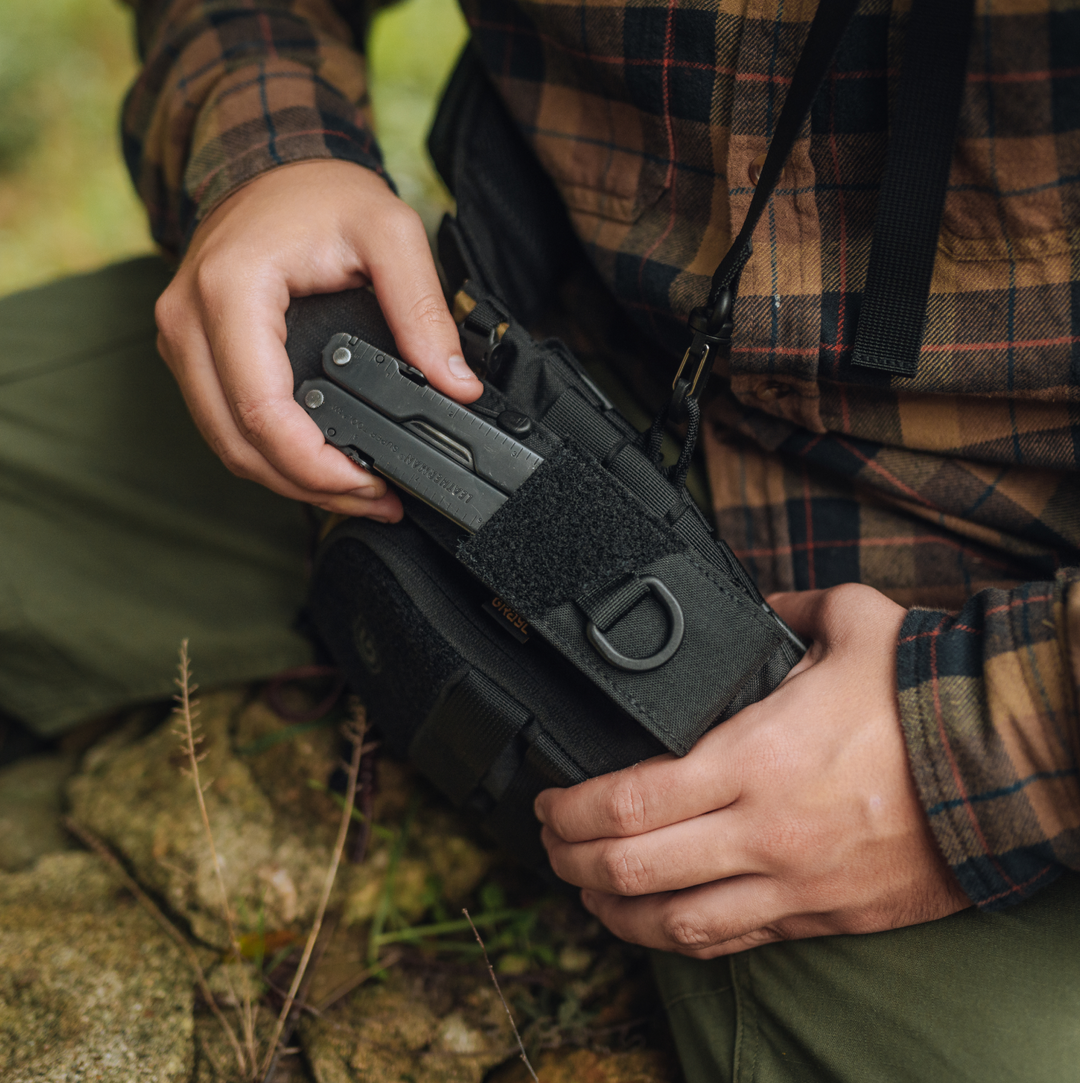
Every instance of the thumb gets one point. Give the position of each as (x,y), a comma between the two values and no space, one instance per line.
(800,610)
(410,295)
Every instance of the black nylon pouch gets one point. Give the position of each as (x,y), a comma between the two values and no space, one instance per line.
(427,622)
(593,620)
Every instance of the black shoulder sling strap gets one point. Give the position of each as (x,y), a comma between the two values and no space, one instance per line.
(890,328)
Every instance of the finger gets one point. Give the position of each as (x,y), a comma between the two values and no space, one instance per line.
(205,398)
(710,847)
(652,794)
(407,285)
(242,350)
(704,922)
(799,609)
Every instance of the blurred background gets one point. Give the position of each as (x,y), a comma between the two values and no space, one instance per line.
(66,203)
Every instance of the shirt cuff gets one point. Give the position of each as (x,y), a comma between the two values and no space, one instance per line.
(220,101)
(988,702)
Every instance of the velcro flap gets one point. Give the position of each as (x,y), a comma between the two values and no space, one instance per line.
(569,529)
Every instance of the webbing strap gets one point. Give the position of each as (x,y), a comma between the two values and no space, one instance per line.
(893,315)
(826,30)
(890,328)
(470,725)
(608,603)
(484,317)
(711,324)
(571,415)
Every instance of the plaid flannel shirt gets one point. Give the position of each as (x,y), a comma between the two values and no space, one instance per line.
(955,490)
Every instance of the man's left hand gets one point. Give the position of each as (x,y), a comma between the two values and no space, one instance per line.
(797,817)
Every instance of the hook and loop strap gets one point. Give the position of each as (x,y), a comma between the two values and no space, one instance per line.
(890,329)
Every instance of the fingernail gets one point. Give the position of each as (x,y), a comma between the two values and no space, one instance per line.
(367,492)
(459,369)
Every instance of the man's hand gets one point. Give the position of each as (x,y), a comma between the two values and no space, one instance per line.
(309,227)
(797,817)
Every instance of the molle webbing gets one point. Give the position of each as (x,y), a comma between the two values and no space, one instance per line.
(467,730)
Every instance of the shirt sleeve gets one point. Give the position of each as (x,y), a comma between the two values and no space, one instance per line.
(229,90)
(989,704)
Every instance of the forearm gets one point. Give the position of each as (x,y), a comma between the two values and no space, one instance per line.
(988,701)
(229,91)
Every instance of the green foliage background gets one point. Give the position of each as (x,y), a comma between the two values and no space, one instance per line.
(66,203)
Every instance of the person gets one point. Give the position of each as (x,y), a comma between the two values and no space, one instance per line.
(915,780)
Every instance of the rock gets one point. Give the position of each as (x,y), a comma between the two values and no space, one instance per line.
(273,824)
(90,988)
(273,835)
(31,800)
(405,1029)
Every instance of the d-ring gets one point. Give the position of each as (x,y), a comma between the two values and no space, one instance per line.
(675,636)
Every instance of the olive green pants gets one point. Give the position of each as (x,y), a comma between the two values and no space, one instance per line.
(974,998)
(120,534)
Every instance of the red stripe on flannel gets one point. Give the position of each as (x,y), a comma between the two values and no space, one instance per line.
(1002,344)
(808,512)
(888,475)
(841,314)
(902,542)
(669,131)
(1023,76)
(639,61)
(1017,887)
(267,35)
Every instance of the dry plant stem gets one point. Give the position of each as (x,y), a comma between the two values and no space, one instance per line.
(94,843)
(186,711)
(325,936)
(506,1007)
(354,733)
(368,781)
(219,1068)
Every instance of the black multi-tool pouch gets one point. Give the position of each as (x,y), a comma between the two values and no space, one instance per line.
(554,606)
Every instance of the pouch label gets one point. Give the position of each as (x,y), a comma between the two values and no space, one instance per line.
(508,618)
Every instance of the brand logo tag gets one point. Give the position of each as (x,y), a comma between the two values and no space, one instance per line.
(509,619)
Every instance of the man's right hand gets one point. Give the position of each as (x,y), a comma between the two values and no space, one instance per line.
(309,227)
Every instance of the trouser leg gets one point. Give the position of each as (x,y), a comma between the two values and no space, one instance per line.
(120,532)
(973,998)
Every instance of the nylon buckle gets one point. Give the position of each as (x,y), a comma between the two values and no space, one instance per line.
(712,338)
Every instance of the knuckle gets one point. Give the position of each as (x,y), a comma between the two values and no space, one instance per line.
(626,807)
(767,934)
(163,312)
(686,932)
(624,871)
(403,223)
(840,601)
(235,460)
(785,843)
(430,311)
(208,279)
(251,418)
(168,313)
